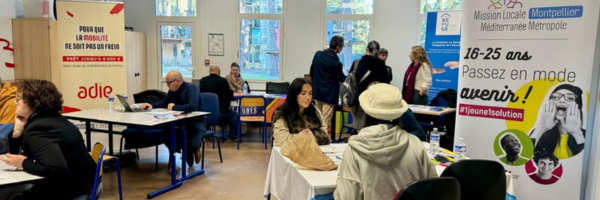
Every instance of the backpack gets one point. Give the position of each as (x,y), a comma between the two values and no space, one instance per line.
(349,89)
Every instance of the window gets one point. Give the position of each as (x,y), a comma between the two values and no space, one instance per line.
(356,38)
(260,49)
(260,6)
(433,6)
(175,8)
(349,7)
(176,49)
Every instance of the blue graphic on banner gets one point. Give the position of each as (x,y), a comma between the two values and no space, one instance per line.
(442,44)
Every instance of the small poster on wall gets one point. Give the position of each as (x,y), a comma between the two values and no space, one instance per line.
(216,44)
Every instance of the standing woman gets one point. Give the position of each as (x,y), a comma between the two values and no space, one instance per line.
(370,70)
(417,79)
(234,78)
(52,147)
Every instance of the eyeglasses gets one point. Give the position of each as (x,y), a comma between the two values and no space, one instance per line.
(568,96)
(169,82)
(18,99)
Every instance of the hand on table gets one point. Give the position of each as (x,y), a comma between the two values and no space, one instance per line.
(146,106)
(170,107)
(13,160)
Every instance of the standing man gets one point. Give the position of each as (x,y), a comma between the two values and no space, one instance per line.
(183,96)
(214,83)
(326,72)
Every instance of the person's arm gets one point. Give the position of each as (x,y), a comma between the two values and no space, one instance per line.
(281,133)
(162,103)
(340,73)
(410,125)
(47,157)
(226,92)
(348,184)
(193,97)
(14,144)
(312,66)
(426,75)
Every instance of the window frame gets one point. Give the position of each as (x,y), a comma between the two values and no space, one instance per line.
(180,17)
(254,16)
(159,24)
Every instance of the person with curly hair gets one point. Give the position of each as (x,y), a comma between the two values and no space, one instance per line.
(52,147)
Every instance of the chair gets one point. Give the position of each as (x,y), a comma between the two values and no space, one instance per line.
(443,188)
(211,104)
(479,179)
(248,114)
(139,136)
(98,155)
(248,87)
(349,126)
(277,87)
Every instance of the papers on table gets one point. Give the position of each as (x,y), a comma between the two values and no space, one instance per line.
(6,178)
(427,108)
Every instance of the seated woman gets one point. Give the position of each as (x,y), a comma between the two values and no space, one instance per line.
(382,155)
(52,147)
(235,80)
(298,114)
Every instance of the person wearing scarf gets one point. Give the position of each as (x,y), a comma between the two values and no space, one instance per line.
(234,78)
(417,79)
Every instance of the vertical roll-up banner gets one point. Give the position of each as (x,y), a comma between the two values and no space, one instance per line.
(91,43)
(442,42)
(524,84)
(9,9)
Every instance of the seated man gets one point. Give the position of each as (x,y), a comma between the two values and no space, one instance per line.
(183,96)
(214,83)
(7,113)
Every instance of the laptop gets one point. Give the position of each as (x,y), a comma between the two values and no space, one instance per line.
(127,107)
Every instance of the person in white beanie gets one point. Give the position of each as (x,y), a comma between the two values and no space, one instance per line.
(383,157)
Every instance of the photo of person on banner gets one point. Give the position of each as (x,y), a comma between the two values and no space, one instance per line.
(512,149)
(546,163)
(559,127)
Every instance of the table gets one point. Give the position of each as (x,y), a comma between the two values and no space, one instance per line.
(285,181)
(9,175)
(430,110)
(114,117)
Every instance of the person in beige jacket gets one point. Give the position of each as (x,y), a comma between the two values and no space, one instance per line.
(418,77)
(297,114)
(382,158)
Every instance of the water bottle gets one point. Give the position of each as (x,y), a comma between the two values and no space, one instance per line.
(125,96)
(245,90)
(460,150)
(434,142)
(111,102)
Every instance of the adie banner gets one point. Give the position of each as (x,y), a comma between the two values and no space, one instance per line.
(524,83)
(91,41)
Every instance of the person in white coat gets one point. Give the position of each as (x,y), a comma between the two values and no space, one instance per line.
(382,158)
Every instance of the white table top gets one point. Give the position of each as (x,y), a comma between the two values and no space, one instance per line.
(426,110)
(9,174)
(133,118)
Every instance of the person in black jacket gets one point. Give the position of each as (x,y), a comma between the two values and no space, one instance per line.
(214,83)
(326,72)
(184,96)
(377,73)
(52,147)
(383,55)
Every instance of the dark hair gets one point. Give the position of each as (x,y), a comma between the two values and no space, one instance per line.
(383,51)
(41,96)
(373,48)
(544,155)
(336,41)
(289,110)
(234,64)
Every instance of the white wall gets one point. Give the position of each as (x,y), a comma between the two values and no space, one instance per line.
(394,22)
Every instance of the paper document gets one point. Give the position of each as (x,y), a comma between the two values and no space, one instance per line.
(6,178)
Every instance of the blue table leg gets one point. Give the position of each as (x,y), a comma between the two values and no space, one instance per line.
(184,150)
(174,182)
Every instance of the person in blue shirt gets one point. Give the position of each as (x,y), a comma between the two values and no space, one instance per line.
(184,96)
(411,125)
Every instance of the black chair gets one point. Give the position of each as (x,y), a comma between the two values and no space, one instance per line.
(248,86)
(277,87)
(443,188)
(479,179)
(142,137)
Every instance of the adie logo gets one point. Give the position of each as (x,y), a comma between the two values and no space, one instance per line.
(499,4)
(94,91)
